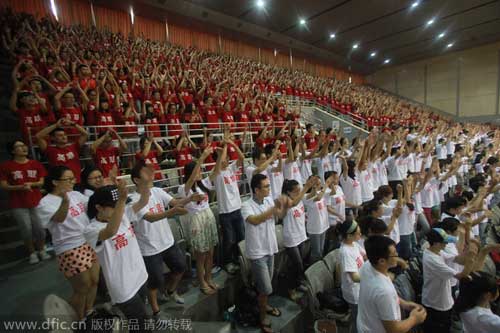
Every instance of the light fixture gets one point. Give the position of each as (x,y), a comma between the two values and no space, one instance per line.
(441,35)
(430,22)
(53,8)
(373,54)
(415,4)
(132,15)
(260,3)
(355,46)
(332,36)
(386,61)
(302,22)
(449,45)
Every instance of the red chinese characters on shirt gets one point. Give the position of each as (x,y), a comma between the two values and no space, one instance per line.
(298,212)
(120,241)
(76,211)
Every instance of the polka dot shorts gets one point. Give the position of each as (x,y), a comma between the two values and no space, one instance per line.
(77,260)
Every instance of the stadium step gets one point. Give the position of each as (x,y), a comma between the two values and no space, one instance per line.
(8,234)
(12,251)
(209,327)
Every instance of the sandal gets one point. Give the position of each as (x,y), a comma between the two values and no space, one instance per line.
(275,312)
(213,285)
(207,290)
(266,328)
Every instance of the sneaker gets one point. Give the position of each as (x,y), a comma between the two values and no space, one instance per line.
(231,268)
(175,297)
(44,255)
(161,298)
(295,295)
(34,258)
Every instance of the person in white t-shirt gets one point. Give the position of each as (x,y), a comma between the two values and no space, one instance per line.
(63,212)
(317,217)
(202,224)
(397,166)
(291,169)
(350,186)
(379,307)
(261,244)
(224,179)
(111,234)
(261,163)
(351,259)
(336,203)
(294,232)
(156,241)
(275,170)
(436,291)
(473,304)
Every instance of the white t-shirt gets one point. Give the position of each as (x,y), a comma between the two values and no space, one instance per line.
(226,187)
(294,226)
(430,193)
(153,237)
(260,240)
(436,292)
(480,320)
(375,177)
(449,253)
(68,234)
(276,179)
(351,261)
(386,217)
(441,151)
(406,221)
(337,167)
(88,192)
(352,189)
(365,180)
(292,171)
(378,301)
(317,216)
(323,164)
(305,169)
(120,257)
(194,207)
(382,173)
(397,168)
(249,172)
(337,202)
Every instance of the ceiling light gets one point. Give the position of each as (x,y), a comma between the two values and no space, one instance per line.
(386,61)
(355,46)
(441,35)
(373,54)
(415,4)
(431,21)
(449,45)
(260,3)
(332,36)
(302,21)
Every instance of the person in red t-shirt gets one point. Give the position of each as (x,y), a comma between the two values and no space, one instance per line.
(310,137)
(30,113)
(61,152)
(184,151)
(22,178)
(106,155)
(150,156)
(173,118)
(64,102)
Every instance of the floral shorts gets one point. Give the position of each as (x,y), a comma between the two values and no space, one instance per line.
(204,234)
(77,260)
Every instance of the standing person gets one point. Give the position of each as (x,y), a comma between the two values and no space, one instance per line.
(224,178)
(259,214)
(61,152)
(350,186)
(92,179)
(22,179)
(202,222)
(106,155)
(379,307)
(294,231)
(473,304)
(351,259)
(155,238)
(111,234)
(436,292)
(63,212)
(397,166)
(317,217)
(275,170)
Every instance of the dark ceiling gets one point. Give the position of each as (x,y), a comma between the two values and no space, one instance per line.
(391,28)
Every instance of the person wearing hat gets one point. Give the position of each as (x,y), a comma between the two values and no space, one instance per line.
(438,276)
(111,235)
(351,258)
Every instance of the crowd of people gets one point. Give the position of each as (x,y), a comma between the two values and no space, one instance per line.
(417,182)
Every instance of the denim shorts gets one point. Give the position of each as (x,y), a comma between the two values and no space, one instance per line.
(173,257)
(262,272)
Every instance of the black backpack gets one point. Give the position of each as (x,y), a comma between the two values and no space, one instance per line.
(332,300)
(247,308)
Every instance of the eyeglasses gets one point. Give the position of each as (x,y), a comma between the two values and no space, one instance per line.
(95,178)
(69,180)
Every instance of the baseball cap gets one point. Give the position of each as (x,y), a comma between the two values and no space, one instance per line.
(106,196)
(445,238)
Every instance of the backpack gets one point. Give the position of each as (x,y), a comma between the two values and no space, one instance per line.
(332,300)
(247,313)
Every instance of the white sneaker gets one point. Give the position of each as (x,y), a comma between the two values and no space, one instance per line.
(34,258)
(44,255)
(231,268)
(175,297)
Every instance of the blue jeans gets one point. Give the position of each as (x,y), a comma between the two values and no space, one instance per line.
(405,246)
(317,246)
(233,232)
(262,272)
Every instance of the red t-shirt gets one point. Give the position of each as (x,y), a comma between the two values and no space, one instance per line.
(231,150)
(183,156)
(174,124)
(150,160)
(212,117)
(152,127)
(104,120)
(32,119)
(19,173)
(68,155)
(105,159)
(311,141)
(130,128)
